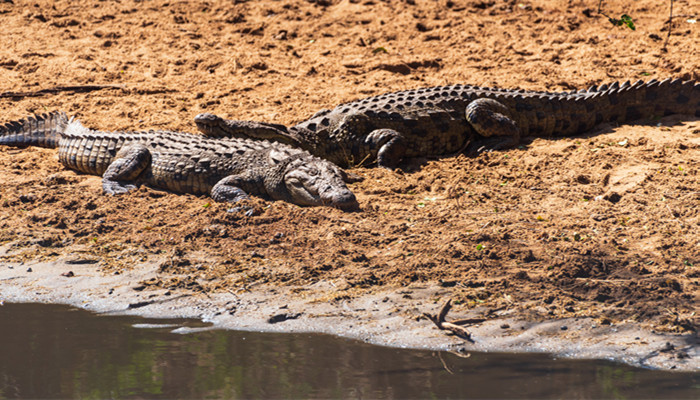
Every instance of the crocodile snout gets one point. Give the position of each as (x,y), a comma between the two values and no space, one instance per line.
(206,122)
(344,199)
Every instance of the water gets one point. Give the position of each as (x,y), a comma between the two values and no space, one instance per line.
(60,352)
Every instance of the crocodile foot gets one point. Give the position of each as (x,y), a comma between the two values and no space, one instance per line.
(115,187)
(126,167)
(391,144)
(227,191)
(490,118)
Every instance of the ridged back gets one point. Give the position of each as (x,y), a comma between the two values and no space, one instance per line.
(537,113)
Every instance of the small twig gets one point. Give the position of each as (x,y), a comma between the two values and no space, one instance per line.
(439,321)
(600,9)
(58,89)
(140,304)
(445,309)
(460,355)
(462,149)
(444,364)
(670,26)
(485,225)
(617,281)
(469,321)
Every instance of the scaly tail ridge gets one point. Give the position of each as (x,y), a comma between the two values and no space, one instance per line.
(627,102)
(631,101)
(43,130)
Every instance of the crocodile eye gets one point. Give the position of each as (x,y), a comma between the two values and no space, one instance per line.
(295,182)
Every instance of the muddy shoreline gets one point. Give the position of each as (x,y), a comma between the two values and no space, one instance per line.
(388,317)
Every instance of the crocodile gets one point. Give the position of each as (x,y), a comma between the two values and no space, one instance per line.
(440,121)
(227,169)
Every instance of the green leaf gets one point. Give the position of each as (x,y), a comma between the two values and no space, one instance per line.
(479,246)
(380,50)
(627,20)
(624,20)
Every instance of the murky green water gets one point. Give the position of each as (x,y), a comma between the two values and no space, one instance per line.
(60,352)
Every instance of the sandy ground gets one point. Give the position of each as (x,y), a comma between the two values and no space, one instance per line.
(597,233)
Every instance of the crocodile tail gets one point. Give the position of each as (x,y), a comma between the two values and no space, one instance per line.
(43,130)
(632,101)
(683,97)
(627,102)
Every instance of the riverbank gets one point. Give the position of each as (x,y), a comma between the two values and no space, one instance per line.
(389,317)
(596,230)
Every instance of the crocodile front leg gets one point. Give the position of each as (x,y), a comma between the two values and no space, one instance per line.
(491,119)
(129,163)
(391,144)
(228,189)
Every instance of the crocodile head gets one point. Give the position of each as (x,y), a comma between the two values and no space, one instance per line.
(315,182)
(216,127)
(309,181)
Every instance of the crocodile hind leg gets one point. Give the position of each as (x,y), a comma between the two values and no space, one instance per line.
(391,144)
(492,119)
(129,163)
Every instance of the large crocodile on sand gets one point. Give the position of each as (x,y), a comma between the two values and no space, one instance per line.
(226,169)
(444,120)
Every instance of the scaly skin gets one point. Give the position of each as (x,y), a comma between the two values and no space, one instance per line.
(444,120)
(226,169)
